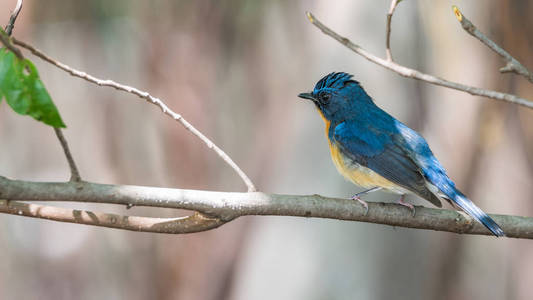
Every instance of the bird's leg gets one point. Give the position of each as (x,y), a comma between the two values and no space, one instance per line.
(358,197)
(455,206)
(408,205)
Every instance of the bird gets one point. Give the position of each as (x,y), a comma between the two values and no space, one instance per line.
(372,149)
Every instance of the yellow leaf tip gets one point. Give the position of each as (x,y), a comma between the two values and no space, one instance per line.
(457,13)
(310,17)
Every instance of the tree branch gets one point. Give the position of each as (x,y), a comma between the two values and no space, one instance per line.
(189,224)
(512,65)
(74,173)
(13,18)
(5,40)
(224,206)
(151,99)
(411,73)
(388,51)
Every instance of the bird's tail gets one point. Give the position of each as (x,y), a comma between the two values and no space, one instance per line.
(470,208)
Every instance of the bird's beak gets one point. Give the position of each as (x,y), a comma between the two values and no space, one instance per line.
(308,96)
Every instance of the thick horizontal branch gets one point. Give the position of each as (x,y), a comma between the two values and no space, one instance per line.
(513,65)
(226,206)
(411,73)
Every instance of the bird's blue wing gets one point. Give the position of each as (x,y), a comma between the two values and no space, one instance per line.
(434,173)
(383,151)
(416,147)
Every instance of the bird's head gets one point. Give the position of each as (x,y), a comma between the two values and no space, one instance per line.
(338,97)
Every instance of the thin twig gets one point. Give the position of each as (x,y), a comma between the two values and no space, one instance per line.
(513,65)
(5,40)
(74,174)
(13,18)
(225,206)
(189,224)
(411,73)
(388,51)
(151,99)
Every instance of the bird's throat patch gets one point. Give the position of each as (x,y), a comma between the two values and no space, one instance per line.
(326,121)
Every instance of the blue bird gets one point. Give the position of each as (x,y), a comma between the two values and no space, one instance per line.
(372,149)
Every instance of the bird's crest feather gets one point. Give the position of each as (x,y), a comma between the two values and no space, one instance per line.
(334,80)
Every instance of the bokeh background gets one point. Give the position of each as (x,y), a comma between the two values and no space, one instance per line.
(233,69)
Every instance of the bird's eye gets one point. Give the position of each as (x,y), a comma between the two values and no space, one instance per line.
(324,97)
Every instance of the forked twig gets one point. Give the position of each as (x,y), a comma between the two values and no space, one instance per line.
(193,223)
(146,96)
(513,65)
(411,73)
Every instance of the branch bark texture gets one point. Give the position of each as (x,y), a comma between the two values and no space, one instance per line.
(189,224)
(225,206)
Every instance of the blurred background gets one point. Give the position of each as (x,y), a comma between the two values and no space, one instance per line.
(233,69)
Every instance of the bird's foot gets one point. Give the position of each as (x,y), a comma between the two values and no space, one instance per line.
(358,197)
(408,205)
(363,202)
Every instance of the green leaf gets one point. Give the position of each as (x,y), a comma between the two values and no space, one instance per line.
(12,86)
(24,91)
(3,70)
